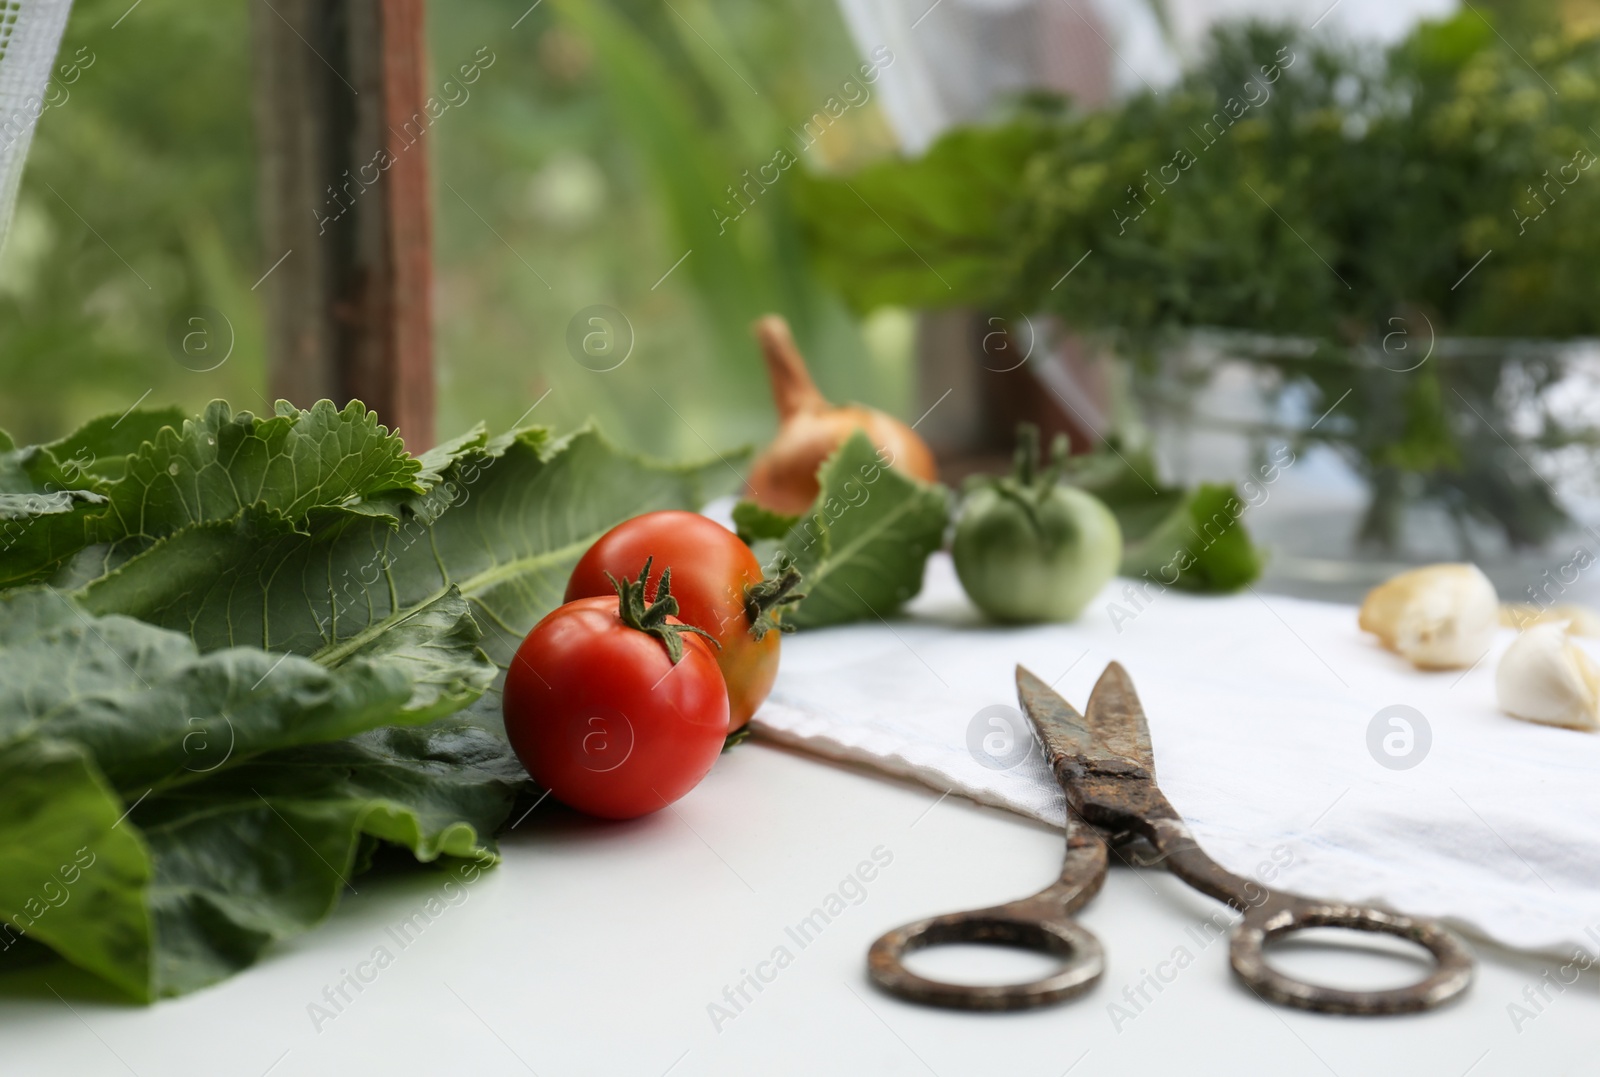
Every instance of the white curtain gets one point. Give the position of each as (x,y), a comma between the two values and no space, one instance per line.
(957,60)
(30,34)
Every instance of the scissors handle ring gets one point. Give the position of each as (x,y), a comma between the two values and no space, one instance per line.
(1016,925)
(1452,975)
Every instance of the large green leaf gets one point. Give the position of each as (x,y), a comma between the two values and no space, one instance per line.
(154,711)
(264,853)
(932,232)
(436,642)
(214,466)
(505,527)
(75,875)
(98,450)
(292,462)
(1200,544)
(862,548)
(48,492)
(1194,540)
(98,712)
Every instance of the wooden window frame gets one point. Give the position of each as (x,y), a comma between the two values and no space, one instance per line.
(340,117)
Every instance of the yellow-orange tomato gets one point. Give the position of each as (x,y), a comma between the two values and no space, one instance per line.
(713,574)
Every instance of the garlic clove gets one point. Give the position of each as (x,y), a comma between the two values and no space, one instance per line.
(1545,677)
(1438,617)
(1580,620)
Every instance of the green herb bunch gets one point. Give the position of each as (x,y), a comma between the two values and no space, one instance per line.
(1344,215)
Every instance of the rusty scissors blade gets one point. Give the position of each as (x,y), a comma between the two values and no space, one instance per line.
(1105,765)
(1112,734)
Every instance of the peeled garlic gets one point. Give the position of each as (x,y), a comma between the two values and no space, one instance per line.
(1439,617)
(1545,677)
(1580,620)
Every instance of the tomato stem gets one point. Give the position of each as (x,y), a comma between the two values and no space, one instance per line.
(764,600)
(1027,457)
(652,617)
(1027,486)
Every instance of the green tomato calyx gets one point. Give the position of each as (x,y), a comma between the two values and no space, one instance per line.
(652,617)
(1028,485)
(764,600)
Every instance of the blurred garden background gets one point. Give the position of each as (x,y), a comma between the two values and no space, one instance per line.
(581,167)
(601,147)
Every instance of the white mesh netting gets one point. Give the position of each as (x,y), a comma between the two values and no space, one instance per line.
(30,34)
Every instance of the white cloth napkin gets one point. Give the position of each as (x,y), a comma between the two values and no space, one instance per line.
(1259,709)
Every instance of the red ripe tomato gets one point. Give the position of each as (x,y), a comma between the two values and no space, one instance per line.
(601,714)
(718,584)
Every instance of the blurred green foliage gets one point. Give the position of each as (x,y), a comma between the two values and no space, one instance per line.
(1286,186)
(599,150)
(1293,187)
(591,155)
(137,209)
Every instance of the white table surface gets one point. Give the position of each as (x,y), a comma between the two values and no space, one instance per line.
(598,948)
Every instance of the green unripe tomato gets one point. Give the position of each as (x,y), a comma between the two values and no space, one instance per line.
(1027,549)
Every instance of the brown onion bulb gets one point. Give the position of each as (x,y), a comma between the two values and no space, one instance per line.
(784,476)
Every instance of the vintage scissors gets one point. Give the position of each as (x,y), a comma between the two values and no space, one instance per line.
(1106,767)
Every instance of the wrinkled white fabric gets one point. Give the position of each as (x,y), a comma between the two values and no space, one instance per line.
(1259,709)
